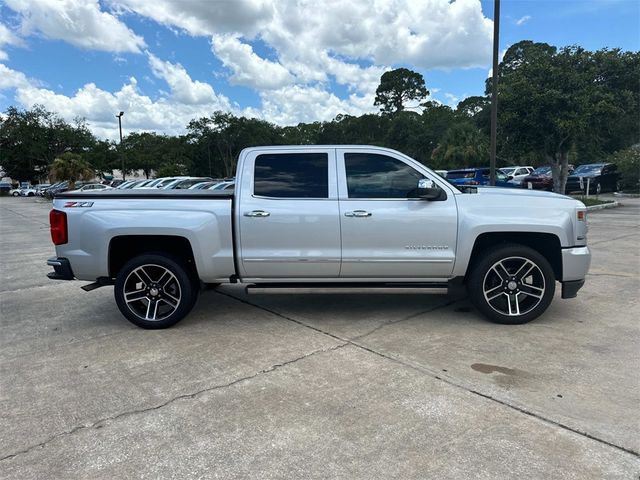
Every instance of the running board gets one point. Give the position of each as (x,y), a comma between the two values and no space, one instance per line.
(347,288)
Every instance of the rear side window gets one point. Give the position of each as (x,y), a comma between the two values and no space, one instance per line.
(371,175)
(292,175)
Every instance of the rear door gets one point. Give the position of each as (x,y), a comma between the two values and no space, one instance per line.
(387,233)
(288,215)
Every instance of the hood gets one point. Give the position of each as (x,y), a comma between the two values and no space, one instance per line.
(521,192)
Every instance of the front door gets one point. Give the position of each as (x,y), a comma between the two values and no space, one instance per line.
(386,231)
(288,214)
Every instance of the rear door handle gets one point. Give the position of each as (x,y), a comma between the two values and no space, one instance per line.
(357,213)
(257,213)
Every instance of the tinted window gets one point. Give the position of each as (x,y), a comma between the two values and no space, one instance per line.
(292,175)
(371,175)
(461,174)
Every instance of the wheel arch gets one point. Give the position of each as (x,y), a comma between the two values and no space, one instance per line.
(547,244)
(123,248)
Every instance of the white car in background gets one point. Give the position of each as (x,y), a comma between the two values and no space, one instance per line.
(518,173)
(93,187)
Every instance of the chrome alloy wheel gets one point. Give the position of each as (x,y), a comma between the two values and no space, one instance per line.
(514,286)
(152,292)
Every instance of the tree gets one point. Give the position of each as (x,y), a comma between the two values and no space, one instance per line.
(224,135)
(628,162)
(71,167)
(397,87)
(31,139)
(551,102)
(463,145)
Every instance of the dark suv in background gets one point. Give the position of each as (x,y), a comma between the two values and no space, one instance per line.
(602,177)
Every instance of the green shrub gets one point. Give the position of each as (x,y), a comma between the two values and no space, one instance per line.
(628,162)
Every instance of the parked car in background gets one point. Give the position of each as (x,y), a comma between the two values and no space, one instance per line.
(203,185)
(93,187)
(28,192)
(541,179)
(517,173)
(476,176)
(601,177)
(15,192)
(223,186)
(57,188)
(184,183)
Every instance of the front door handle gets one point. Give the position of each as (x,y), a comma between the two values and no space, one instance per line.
(257,213)
(357,213)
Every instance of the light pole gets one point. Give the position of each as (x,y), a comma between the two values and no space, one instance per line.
(494,92)
(119,116)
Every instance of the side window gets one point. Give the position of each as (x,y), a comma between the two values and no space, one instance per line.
(370,175)
(292,175)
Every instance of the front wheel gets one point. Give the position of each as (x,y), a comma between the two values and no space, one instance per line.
(154,291)
(512,284)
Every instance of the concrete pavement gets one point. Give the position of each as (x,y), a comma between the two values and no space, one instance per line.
(317,386)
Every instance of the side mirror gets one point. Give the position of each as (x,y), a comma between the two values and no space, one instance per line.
(510,177)
(429,190)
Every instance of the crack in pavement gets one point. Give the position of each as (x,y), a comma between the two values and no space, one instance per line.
(413,315)
(99,423)
(443,378)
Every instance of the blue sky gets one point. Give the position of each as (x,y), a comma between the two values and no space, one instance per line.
(167,61)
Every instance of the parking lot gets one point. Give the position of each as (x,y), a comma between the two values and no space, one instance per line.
(317,386)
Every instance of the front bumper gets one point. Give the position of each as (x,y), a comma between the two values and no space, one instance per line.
(61,269)
(575,265)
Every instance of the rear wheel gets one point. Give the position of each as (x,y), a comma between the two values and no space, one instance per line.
(512,284)
(154,291)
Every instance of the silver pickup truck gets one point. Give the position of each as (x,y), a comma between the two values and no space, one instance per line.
(324,218)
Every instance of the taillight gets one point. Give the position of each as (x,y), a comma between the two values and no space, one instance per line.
(58,223)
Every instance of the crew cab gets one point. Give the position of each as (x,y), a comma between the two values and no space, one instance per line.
(335,218)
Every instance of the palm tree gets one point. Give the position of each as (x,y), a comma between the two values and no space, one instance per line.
(71,167)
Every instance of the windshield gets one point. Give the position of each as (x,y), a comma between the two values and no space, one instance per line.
(461,174)
(587,169)
(508,170)
(542,171)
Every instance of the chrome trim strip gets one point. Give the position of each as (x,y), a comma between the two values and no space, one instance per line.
(399,260)
(346,290)
(290,259)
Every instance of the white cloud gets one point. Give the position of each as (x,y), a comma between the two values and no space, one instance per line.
(523,20)
(10,79)
(313,45)
(79,22)
(166,115)
(183,88)
(248,68)
(7,37)
(427,34)
(295,104)
(203,17)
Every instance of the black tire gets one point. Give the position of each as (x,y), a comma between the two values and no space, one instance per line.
(509,289)
(160,291)
(15,194)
